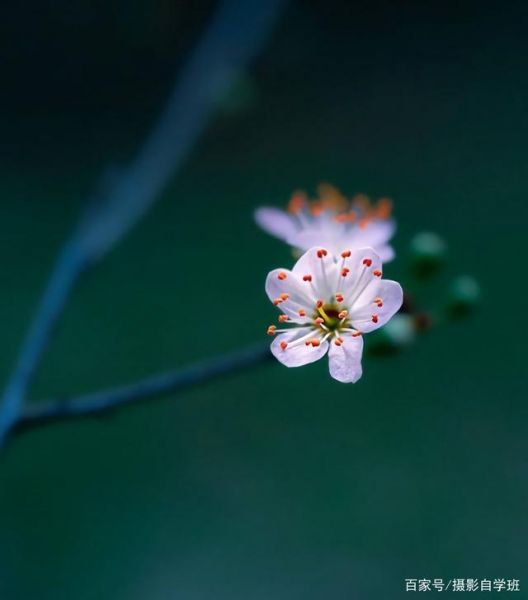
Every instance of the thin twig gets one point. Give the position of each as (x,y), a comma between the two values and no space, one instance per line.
(106,401)
(109,400)
(230,41)
(62,280)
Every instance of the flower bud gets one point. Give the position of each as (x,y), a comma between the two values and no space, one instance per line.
(398,333)
(400,330)
(428,253)
(464,295)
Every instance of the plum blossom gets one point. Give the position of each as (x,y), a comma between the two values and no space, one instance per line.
(330,303)
(332,221)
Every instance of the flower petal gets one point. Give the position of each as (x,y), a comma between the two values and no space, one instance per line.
(299,294)
(376,233)
(300,354)
(276,222)
(325,231)
(376,305)
(323,234)
(386,253)
(321,268)
(364,266)
(345,361)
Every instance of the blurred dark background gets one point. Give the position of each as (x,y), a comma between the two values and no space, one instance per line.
(272,483)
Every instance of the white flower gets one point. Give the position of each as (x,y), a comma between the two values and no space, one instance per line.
(330,301)
(332,222)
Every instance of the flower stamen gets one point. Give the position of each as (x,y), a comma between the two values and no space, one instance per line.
(297,202)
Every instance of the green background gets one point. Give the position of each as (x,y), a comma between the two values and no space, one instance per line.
(272,483)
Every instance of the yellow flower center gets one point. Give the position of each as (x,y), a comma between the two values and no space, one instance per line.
(332,315)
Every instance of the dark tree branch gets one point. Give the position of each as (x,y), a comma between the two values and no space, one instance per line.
(230,41)
(107,401)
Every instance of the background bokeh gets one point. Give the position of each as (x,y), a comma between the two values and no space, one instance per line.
(271,483)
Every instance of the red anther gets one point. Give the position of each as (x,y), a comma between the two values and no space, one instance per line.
(346,254)
(284,296)
(343,314)
(374,318)
(315,343)
(319,303)
(376,273)
(302,312)
(364,222)
(322,252)
(297,201)
(378,302)
(384,208)
(339,297)
(367,262)
(271,330)
(307,278)
(277,301)
(281,275)
(283,318)
(345,272)
(317,209)
(284,345)
(339,342)
(356,334)
(319,321)
(349,217)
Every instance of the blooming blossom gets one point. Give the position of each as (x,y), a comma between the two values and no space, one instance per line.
(332,222)
(331,302)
